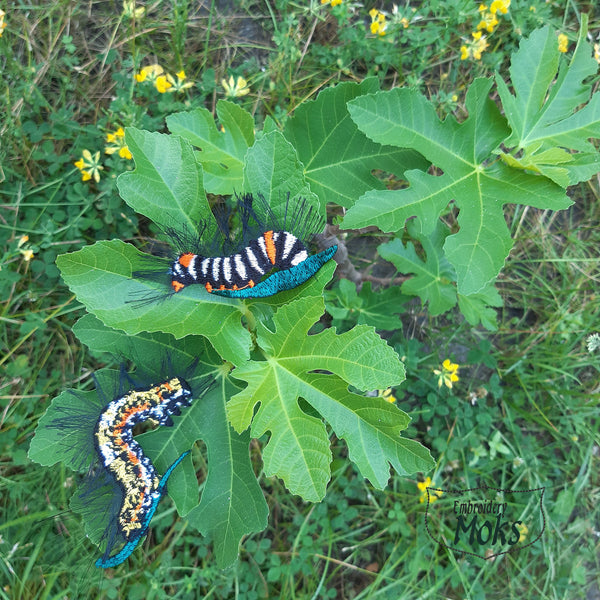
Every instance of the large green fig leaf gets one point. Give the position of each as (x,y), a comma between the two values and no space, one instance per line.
(463,152)
(294,366)
(338,159)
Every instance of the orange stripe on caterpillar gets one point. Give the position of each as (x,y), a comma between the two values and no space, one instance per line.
(270,245)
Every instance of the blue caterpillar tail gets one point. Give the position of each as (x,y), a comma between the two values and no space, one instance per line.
(131,545)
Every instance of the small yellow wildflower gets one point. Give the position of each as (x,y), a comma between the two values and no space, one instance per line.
(387,395)
(405,22)
(150,72)
(235,88)
(117,141)
(2,23)
(378,22)
(488,22)
(433,496)
(332,2)
(447,375)
(178,85)
(532,9)
(89,166)
(563,42)
(500,6)
(523,531)
(130,11)
(597,52)
(162,84)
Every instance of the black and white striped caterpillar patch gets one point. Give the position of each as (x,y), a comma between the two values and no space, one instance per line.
(272,250)
(269,246)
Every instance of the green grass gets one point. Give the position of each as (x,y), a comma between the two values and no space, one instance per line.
(66,81)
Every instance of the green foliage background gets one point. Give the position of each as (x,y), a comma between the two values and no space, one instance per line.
(452,195)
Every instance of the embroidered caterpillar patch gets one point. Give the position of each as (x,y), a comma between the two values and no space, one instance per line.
(276,259)
(273,250)
(122,488)
(123,457)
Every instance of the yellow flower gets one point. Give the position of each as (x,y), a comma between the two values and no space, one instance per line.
(117,141)
(89,166)
(482,7)
(563,42)
(387,395)
(151,72)
(333,2)
(447,375)
(523,531)
(488,22)
(405,22)
(130,11)
(162,84)
(26,253)
(434,494)
(2,23)
(178,85)
(378,22)
(597,52)
(124,152)
(500,6)
(234,88)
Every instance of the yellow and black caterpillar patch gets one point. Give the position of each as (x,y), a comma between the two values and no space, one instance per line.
(123,457)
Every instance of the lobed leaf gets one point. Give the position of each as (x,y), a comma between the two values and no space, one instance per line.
(221,153)
(338,159)
(550,109)
(367,307)
(462,151)
(434,276)
(272,167)
(166,184)
(298,449)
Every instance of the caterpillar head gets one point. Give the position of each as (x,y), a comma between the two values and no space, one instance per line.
(183,271)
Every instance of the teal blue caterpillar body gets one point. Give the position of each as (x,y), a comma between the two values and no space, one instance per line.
(282,280)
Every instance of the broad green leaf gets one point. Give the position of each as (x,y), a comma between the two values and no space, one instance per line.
(462,151)
(273,169)
(433,277)
(166,185)
(101,277)
(221,153)
(544,102)
(298,449)
(366,307)
(370,427)
(477,308)
(157,350)
(232,504)
(338,159)
(51,445)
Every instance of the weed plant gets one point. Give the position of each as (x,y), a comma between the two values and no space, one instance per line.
(520,413)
